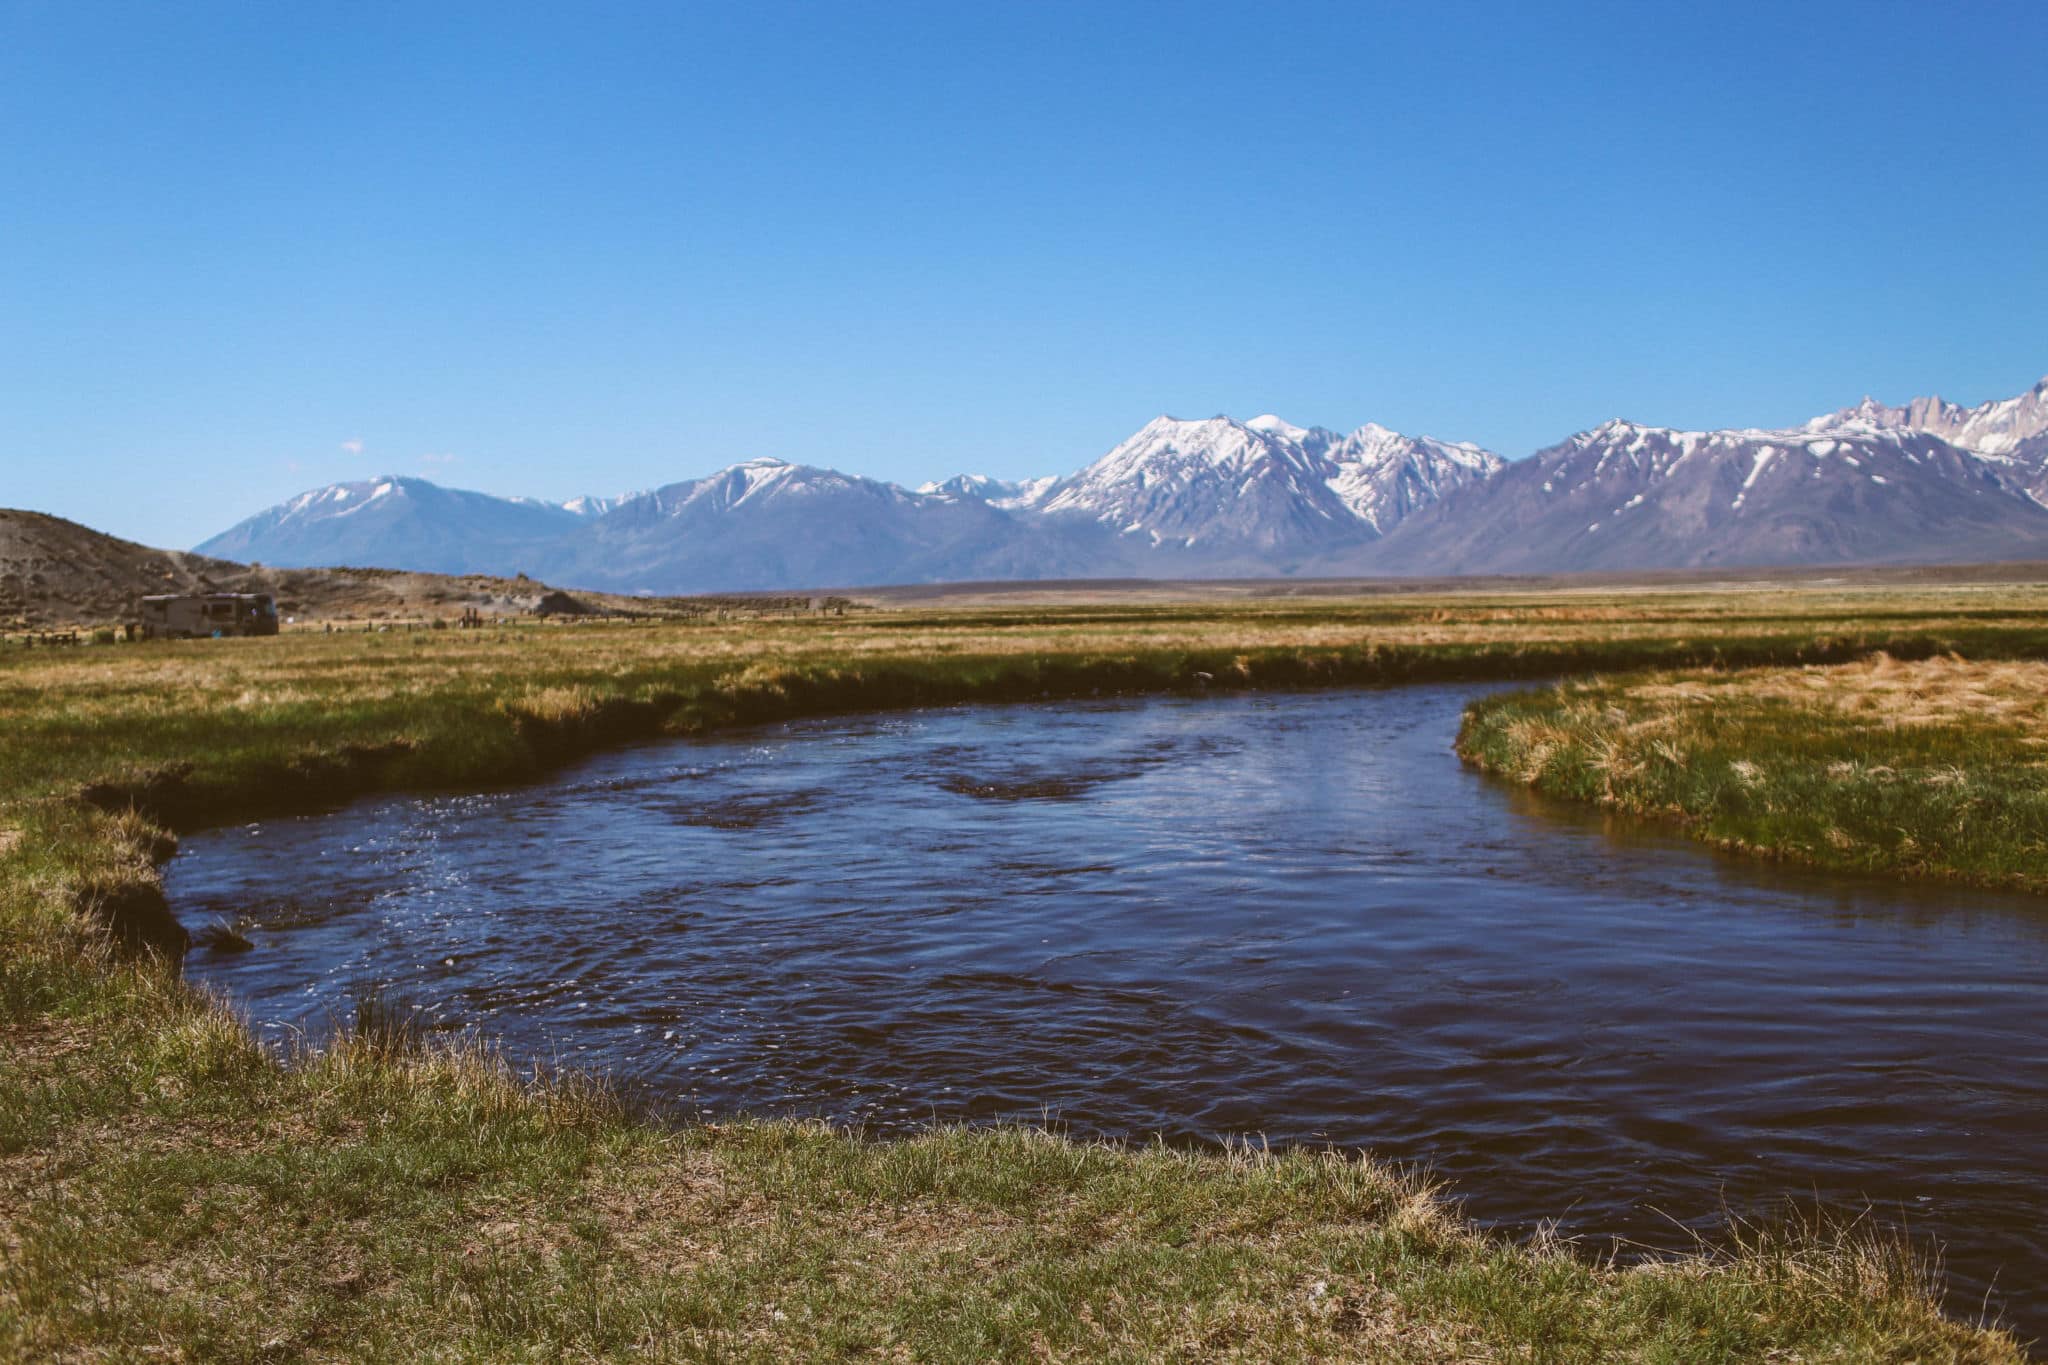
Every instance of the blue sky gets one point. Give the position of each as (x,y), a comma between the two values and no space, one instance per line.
(559,249)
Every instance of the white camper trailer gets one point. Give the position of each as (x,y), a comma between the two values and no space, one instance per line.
(212,615)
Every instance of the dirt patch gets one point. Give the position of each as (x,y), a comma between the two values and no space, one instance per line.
(134,914)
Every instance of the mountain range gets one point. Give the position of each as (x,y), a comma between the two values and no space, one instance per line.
(1928,482)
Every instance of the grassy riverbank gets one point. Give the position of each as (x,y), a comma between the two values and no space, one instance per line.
(1930,768)
(164,1185)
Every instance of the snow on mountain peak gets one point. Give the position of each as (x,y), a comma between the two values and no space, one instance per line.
(756,474)
(1174,447)
(1264,481)
(1008,494)
(1278,426)
(962,485)
(588,506)
(1994,428)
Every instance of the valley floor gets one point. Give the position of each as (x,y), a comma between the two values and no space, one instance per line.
(168,1188)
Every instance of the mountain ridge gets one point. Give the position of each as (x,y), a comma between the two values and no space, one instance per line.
(1629,496)
(1996,427)
(1927,481)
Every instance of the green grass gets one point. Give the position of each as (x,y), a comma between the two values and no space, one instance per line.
(166,1187)
(1937,768)
(175,1187)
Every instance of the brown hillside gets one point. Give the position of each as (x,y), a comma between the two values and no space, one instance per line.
(55,573)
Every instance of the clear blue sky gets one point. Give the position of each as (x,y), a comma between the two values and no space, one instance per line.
(563,248)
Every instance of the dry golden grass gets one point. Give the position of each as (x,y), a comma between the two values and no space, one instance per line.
(1885,692)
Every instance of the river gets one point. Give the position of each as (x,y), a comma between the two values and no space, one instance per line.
(1293,917)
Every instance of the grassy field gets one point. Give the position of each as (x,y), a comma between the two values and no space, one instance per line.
(1932,768)
(168,1188)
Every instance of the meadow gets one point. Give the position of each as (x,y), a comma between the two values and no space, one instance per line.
(168,1187)
(1934,768)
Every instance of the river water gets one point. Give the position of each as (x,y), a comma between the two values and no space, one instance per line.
(1290,916)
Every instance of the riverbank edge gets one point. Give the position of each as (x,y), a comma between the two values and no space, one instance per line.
(1570,742)
(90,858)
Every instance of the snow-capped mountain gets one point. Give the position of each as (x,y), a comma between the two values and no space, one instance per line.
(994,492)
(1930,481)
(1264,489)
(1219,481)
(1999,427)
(1624,496)
(770,524)
(1385,477)
(398,522)
(1186,498)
